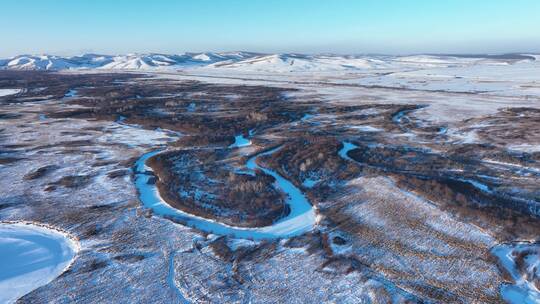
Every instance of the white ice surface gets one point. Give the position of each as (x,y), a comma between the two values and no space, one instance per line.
(7,92)
(31,256)
(366,128)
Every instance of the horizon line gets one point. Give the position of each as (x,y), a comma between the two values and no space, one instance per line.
(537,52)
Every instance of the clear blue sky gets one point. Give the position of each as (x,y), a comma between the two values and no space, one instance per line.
(307,26)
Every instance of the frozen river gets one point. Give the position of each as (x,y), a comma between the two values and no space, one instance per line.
(240,141)
(300,219)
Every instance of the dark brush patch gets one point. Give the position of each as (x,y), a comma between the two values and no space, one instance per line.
(40,172)
(129,258)
(73,181)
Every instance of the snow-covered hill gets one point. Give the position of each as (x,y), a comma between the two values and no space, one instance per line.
(254,62)
(119,62)
(304,63)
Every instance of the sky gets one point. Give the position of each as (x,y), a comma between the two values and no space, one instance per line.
(71,27)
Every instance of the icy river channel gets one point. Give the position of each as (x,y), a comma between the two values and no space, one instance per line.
(301,218)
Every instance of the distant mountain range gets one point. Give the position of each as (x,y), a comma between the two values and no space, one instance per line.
(248,61)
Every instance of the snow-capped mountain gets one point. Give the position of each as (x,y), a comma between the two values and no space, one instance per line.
(43,62)
(119,62)
(254,62)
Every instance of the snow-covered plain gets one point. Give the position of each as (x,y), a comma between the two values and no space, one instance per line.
(31,256)
(480,79)
(113,144)
(455,87)
(414,248)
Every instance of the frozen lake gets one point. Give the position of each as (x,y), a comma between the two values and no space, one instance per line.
(31,256)
(7,92)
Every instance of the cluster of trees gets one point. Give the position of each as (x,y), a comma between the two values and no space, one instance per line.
(237,199)
(402,158)
(154,104)
(463,199)
(315,158)
(55,85)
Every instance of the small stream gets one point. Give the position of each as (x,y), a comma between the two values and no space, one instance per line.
(347,146)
